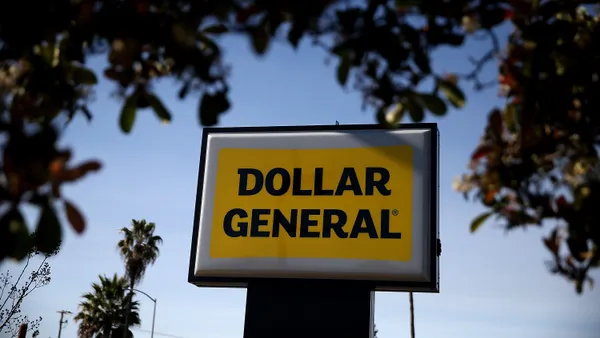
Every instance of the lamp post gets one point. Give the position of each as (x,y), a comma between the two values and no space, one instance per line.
(153,311)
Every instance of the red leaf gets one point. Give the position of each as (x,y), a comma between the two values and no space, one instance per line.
(496,122)
(490,196)
(552,242)
(480,152)
(75,217)
(70,175)
(90,166)
(561,202)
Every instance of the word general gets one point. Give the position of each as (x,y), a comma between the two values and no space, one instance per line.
(300,222)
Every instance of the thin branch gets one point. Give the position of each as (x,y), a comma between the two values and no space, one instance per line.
(16,283)
(480,63)
(5,284)
(26,290)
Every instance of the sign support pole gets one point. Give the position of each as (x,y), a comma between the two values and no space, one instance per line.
(308,308)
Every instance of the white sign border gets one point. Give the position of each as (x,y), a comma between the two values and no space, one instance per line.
(421,276)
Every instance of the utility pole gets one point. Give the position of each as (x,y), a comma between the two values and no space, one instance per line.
(61,322)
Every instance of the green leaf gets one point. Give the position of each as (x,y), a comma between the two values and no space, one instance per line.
(422,60)
(159,109)
(260,40)
(391,117)
(209,43)
(216,29)
(478,221)
(183,91)
(452,92)
(17,237)
(296,32)
(49,232)
(211,106)
(434,104)
(343,69)
(380,116)
(579,286)
(183,34)
(510,117)
(415,110)
(84,76)
(128,112)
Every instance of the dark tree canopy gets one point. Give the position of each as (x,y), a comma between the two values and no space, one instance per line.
(536,165)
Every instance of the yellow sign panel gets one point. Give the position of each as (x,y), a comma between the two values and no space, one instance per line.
(313,203)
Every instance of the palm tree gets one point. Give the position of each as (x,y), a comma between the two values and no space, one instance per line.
(101,313)
(138,249)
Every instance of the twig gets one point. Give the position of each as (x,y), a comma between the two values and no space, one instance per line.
(482,62)
(24,293)
(16,283)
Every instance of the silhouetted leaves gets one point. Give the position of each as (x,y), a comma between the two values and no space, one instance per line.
(416,112)
(215,29)
(343,70)
(434,104)
(84,76)
(14,236)
(479,220)
(159,109)
(296,32)
(211,106)
(538,159)
(128,113)
(543,140)
(422,61)
(260,40)
(48,231)
(75,217)
(454,95)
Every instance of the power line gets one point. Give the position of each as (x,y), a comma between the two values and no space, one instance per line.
(158,333)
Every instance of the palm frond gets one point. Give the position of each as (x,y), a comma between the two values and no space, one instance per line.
(139,248)
(105,307)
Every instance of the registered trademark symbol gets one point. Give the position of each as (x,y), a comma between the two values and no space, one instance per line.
(395,212)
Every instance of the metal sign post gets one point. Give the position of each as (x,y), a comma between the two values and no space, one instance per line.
(312,220)
(316,309)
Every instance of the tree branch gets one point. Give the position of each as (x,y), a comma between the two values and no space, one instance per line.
(482,62)
(25,290)
(16,283)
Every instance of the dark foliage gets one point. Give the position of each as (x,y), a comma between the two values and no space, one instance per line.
(537,163)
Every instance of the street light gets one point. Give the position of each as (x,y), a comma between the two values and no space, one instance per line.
(153,312)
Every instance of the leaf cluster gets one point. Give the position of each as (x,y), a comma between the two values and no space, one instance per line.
(102,311)
(537,162)
(45,84)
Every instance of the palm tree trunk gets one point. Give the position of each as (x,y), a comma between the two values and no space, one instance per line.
(130,301)
(412,315)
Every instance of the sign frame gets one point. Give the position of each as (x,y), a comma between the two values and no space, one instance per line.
(431,286)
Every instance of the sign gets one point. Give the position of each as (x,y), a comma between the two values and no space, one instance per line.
(351,202)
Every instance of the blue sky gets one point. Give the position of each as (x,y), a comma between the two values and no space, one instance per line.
(492,283)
